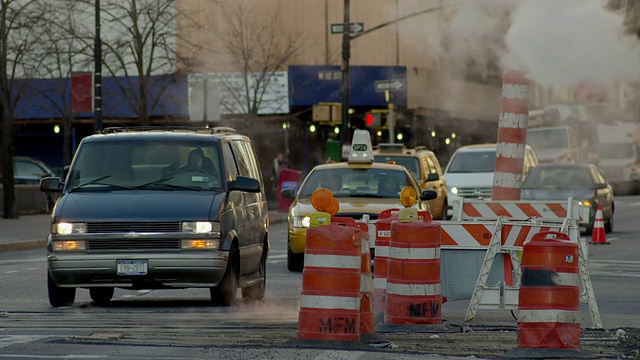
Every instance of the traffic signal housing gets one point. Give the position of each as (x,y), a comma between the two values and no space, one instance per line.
(373,119)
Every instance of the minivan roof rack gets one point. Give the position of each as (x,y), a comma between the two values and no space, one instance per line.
(206,130)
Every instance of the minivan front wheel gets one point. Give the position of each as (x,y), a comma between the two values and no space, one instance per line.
(59,296)
(257,291)
(225,293)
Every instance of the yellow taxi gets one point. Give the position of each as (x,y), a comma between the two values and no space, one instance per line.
(424,165)
(361,186)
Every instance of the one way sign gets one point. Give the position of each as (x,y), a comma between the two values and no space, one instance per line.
(391,85)
(354,28)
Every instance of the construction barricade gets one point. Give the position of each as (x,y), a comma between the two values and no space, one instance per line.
(549,301)
(495,233)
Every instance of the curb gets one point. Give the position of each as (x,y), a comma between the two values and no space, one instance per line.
(22,246)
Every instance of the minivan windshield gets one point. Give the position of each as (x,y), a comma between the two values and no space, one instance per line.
(472,162)
(146,164)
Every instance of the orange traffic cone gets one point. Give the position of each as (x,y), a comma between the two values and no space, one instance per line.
(598,234)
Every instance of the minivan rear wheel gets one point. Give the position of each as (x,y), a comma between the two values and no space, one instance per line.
(225,293)
(59,296)
(101,295)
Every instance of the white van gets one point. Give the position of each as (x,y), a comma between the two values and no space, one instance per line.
(469,173)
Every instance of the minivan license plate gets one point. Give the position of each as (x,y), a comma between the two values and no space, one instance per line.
(132,267)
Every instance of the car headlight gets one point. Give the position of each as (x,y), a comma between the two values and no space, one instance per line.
(201,244)
(65,228)
(69,245)
(301,221)
(454,190)
(200,227)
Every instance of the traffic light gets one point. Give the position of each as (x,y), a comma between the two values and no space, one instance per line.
(373,119)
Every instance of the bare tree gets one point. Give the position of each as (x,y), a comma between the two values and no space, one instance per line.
(67,48)
(21,32)
(141,51)
(257,46)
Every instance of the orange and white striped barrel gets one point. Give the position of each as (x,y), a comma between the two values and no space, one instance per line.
(383,234)
(549,295)
(413,282)
(330,297)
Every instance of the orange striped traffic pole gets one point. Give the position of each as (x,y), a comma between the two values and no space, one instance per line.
(511,142)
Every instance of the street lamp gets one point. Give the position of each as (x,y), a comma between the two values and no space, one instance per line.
(97,74)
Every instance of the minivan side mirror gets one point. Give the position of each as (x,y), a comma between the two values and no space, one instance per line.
(428,194)
(244,183)
(51,184)
(599,186)
(433,177)
(288,194)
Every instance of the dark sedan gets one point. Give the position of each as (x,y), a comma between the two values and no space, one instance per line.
(582,182)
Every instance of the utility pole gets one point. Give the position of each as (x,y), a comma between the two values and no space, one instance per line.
(97,75)
(346,53)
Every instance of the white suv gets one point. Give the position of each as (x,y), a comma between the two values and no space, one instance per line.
(469,173)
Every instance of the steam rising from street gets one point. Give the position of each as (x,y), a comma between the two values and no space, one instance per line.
(557,43)
(560,43)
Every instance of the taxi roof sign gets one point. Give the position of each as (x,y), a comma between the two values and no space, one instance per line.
(361,150)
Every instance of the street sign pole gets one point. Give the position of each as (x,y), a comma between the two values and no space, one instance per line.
(344,131)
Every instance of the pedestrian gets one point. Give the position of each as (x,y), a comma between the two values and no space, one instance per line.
(279,163)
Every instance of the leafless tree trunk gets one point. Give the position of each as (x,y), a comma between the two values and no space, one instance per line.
(143,46)
(20,32)
(257,46)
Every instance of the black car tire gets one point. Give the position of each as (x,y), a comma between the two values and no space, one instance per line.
(59,296)
(225,293)
(608,225)
(101,295)
(295,262)
(256,292)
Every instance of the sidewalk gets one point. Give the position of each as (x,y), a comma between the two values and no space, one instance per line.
(31,231)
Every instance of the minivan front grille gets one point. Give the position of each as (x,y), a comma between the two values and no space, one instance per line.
(133,244)
(139,227)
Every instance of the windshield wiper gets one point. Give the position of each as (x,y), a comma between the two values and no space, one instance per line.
(98,181)
(163,183)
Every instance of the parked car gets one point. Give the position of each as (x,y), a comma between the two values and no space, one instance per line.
(424,166)
(469,173)
(582,182)
(159,208)
(28,170)
(361,186)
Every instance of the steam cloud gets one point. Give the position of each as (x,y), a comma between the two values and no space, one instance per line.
(560,43)
(557,43)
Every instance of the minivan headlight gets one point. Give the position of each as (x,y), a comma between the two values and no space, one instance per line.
(65,228)
(301,221)
(454,190)
(200,227)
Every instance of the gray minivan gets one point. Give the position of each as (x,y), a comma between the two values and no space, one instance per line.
(159,208)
